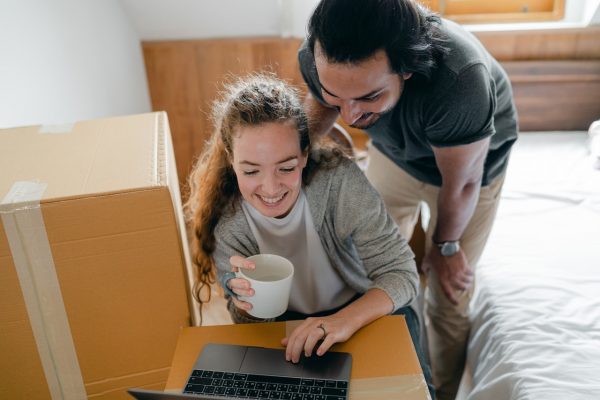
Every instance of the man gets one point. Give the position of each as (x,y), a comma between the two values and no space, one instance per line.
(439,111)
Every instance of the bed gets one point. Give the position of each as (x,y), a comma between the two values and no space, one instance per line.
(536,309)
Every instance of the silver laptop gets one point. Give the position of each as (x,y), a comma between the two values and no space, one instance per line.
(224,371)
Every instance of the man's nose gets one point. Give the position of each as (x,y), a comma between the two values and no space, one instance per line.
(350,112)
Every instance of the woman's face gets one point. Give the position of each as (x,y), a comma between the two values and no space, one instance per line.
(268,164)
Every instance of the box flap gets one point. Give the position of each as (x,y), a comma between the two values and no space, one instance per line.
(87,157)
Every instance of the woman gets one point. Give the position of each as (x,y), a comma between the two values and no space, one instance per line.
(259,187)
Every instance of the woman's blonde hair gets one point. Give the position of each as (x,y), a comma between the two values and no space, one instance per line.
(250,101)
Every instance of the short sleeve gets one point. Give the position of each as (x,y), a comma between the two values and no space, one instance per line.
(464,112)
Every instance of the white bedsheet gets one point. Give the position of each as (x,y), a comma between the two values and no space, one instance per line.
(536,310)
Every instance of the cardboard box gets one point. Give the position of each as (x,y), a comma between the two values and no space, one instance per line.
(384,362)
(94,268)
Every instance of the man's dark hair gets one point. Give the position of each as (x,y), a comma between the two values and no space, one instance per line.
(351,31)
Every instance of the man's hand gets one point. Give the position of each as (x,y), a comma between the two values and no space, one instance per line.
(461,168)
(454,272)
(320,118)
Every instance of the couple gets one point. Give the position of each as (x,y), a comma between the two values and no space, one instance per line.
(440,114)
(261,186)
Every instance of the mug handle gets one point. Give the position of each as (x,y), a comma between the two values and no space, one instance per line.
(224,279)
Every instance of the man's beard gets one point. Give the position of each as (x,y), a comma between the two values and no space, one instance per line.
(371,119)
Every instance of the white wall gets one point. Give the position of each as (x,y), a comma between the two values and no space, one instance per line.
(68,60)
(192,19)
(200,19)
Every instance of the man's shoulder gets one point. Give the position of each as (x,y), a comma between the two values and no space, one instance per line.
(305,52)
(306,62)
(308,69)
(465,50)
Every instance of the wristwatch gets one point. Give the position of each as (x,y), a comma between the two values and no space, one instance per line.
(449,248)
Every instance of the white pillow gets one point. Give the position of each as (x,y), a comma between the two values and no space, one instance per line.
(594,135)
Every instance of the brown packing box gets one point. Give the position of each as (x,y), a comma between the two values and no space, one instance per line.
(384,363)
(111,215)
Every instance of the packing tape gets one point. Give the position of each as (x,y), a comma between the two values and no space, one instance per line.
(56,128)
(406,387)
(28,241)
(164,147)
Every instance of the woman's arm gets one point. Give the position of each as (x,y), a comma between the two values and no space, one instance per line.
(358,213)
(234,238)
(385,256)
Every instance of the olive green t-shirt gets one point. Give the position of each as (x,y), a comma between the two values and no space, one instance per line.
(467,99)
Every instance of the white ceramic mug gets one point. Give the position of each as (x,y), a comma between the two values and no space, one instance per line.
(272,283)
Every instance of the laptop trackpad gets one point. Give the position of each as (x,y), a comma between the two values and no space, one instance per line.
(263,361)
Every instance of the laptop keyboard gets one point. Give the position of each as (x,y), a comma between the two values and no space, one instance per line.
(249,386)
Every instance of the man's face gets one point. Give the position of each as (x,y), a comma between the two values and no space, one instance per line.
(360,92)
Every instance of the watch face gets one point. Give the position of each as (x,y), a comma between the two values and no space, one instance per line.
(449,248)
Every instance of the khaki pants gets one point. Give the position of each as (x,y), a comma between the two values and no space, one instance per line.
(447,324)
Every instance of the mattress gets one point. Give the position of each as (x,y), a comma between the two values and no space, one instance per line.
(536,309)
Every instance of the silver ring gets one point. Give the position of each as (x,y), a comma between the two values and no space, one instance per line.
(322,327)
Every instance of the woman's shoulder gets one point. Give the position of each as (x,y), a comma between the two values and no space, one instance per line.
(232,220)
(334,181)
(332,162)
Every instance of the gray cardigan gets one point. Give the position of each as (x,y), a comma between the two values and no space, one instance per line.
(358,235)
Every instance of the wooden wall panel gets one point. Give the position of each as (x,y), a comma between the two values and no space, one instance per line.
(173,83)
(555,75)
(561,44)
(556,95)
(184,78)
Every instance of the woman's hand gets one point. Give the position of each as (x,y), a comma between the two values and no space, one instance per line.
(241,286)
(337,327)
(330,330)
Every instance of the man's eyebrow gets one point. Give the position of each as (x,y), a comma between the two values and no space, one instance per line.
(290,158)
(370,94)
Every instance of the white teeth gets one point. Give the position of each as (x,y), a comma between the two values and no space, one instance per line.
(271,200)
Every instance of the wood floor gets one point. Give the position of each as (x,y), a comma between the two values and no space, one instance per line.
(215,312)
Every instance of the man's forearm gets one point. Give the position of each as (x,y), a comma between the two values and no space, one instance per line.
(455,209)
(320,118)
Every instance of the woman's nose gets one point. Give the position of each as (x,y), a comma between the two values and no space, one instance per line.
(270,184)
